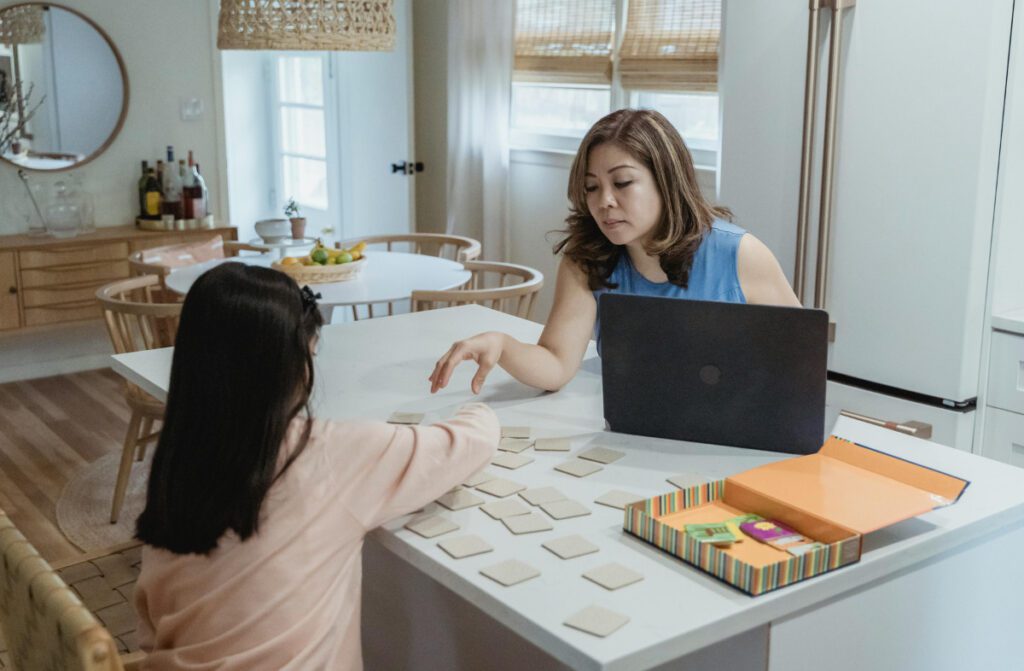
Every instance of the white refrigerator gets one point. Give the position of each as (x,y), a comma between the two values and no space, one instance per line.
(919,116)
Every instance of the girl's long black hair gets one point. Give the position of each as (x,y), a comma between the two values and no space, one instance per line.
(242,371)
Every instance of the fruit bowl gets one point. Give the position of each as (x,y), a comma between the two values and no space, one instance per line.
(317,274)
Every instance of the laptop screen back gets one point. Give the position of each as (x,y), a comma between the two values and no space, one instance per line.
(710,372)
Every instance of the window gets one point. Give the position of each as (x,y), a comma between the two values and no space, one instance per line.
(568,75)
(560,110)
(302,141)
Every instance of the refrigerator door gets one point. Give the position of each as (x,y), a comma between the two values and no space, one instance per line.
(919,119)
(949,427)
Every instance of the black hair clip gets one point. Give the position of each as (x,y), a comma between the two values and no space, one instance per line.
(308,297)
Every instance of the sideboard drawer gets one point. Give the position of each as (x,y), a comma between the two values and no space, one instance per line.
(55,314)
(1006,372)
(75,293)
(93,272)
(63,256)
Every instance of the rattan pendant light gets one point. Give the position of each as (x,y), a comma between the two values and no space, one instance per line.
(307,25)
(22,25)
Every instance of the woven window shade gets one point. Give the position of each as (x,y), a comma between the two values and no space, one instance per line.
(307,25)
(671,45)
(22,25)
(564,41)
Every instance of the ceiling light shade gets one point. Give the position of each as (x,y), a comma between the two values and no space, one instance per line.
(22,24)
(307,25)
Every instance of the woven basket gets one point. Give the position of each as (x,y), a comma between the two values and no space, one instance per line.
(307,25)
(321,274)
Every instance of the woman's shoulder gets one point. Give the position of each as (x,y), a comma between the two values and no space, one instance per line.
(721,228)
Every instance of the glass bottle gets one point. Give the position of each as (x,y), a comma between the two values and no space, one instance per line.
(84,200)
(172,187)
(141,187)
(62,213)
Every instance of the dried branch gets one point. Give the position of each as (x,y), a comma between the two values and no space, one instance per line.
(12,124)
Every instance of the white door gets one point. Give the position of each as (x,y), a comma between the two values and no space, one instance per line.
(920,110)
(341,119)
(375,121)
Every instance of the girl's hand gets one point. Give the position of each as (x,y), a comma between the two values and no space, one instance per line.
(484,348)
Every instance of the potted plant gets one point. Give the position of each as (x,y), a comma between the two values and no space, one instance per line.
(291,210)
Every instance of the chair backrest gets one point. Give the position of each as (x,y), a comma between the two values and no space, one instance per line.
(135,320)
(506,287)
(162,260)
(45,625)
(453,247)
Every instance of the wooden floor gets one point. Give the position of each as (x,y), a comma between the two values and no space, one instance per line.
(50,428)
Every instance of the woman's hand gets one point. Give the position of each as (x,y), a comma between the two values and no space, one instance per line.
(485,349)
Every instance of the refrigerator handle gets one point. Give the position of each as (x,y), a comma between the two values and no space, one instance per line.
(911,427)
(829,153)
(807,149)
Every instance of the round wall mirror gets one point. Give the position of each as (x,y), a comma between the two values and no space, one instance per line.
(63,87)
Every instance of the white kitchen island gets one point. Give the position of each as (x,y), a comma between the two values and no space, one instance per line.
(939,591)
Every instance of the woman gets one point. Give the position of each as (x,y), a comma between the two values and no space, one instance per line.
(256,512)
(638,224)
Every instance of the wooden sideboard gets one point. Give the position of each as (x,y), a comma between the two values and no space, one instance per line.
(50,281)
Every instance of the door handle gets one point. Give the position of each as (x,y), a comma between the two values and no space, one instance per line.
(909,427)
(407,167)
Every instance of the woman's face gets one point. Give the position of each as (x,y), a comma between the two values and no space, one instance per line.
(621,195)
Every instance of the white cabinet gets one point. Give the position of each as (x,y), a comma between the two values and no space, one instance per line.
(951,427)
(1004,437)
(1006,372)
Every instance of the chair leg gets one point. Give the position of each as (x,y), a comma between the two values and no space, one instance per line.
(124,471)
(147,428)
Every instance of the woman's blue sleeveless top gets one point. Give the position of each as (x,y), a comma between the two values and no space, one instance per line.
(713,276)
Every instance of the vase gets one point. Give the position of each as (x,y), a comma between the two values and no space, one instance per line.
(298,227)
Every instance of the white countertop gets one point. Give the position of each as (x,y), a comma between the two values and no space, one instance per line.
(372,368)
(1012,321)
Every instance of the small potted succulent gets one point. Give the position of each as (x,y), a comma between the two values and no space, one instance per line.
(291,210)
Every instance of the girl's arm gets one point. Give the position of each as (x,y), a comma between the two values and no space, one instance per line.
(549,364)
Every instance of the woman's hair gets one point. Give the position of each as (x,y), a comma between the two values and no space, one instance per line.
(686,216)
(242,370)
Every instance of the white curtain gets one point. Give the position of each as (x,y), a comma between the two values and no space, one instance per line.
(480,55)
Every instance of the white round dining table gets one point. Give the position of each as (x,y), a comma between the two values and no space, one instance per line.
(387,276)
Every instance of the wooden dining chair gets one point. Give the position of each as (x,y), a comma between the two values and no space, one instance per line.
(452,247)
(506,287)
(45,616)
(137,321)
(162,261)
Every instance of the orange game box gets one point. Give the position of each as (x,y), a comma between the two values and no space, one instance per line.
(834,496)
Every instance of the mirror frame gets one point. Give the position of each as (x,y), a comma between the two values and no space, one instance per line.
(124,81)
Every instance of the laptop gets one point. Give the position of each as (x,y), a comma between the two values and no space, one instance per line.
(711,372)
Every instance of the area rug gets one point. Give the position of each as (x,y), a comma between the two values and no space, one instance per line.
(83,510)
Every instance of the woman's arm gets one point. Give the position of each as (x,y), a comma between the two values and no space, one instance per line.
(549,364)
(761,277)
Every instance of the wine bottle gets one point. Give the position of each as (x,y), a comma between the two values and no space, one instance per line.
(202,195)
(186,200)
(153,196)
(172,187)
(192,191)
(142,189)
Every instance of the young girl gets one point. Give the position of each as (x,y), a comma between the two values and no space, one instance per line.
(638,225)
(256,513)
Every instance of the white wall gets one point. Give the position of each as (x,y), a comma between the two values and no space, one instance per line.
(168,52)
(247,133)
